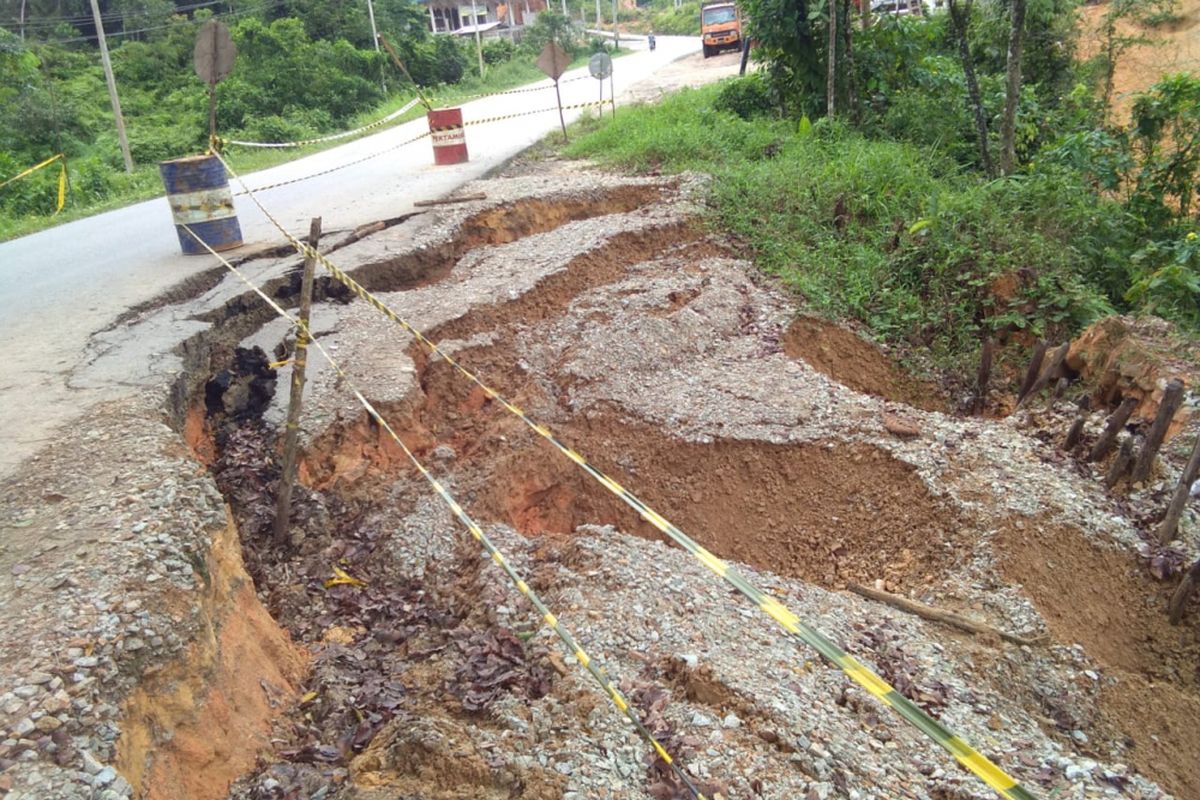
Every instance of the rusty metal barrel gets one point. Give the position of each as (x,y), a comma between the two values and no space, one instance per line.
(198,191)
(449,138)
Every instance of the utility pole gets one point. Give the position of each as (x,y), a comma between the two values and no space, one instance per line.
(22,20)
(616,32)
(597,13)
(112,87)
(478,38)
(375,39)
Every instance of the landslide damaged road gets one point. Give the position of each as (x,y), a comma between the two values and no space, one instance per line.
(61,285)
(159,645)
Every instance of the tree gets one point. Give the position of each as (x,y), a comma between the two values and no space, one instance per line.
(1012,96)
(960,19)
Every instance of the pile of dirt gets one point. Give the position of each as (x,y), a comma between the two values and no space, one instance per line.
(1173,47)
(830,513)
(855,362)
(1124,357)
(1107,602)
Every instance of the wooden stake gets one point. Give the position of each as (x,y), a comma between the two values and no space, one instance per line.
(283,508)
(1182,593)
(1113,427)
(1120,464)
(1172,398)
(1035,368)
(1049,373)
(938,615)
(1074,433)
(1183,489)
(983,376)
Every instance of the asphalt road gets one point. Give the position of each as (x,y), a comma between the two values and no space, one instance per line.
(59,286)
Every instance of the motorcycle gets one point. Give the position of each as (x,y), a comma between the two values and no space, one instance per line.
(652,41)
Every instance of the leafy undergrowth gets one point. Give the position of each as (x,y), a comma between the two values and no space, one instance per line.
(882,232)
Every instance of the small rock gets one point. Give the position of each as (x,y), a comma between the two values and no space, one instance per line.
(731,721)
(59,701)
(899,426)
(104,777)
(24,727)
(86,662)
(25,692)
(90,764)
(40,678)
(701,721)
(48,724)
(133,644)
(1079,736)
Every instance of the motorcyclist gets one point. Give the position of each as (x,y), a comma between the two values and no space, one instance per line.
(652,41)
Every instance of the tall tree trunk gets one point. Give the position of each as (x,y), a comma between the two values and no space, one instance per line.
(831,63)
(1012,97)
(848,51)
(960,16)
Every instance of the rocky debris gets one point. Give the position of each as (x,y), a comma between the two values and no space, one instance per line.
(114,527)
(429,673)
(1126,357)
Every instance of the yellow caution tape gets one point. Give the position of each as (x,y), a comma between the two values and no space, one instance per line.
(967,756)
(343,578)
(62,178)
(340,576)
(62,187)
(393,148)
(333,137)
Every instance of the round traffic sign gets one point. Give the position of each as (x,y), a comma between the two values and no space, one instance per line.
(214,52)
(600,65)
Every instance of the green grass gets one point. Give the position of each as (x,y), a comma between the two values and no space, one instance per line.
(145,182)
(883,232)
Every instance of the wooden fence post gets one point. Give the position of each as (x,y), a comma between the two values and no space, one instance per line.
(1120,464)
(1111,428)
(1034,369)
(283,508)
(1166,531)
(1172,397)
(1047,374)
(1182,593)
(983,376)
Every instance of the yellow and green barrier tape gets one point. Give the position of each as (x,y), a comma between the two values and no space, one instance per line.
(62,177)
(340,576)
(987,771)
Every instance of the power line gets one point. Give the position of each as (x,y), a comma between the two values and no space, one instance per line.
(230,15)
(107,16)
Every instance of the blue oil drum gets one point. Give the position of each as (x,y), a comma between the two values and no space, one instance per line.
(198,191)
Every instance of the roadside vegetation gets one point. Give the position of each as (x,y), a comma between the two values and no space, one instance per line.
(888,212)
(305,68)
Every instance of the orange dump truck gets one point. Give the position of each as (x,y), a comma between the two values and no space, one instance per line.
(720,28)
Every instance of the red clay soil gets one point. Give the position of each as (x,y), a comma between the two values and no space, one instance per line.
(829,513)
(1105,601)
(853,361)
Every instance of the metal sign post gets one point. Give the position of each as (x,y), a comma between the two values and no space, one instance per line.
(600,66)
(213,56)
(553,61)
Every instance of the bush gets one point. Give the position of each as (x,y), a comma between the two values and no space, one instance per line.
(884,232)
(746,97)
(497,51)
